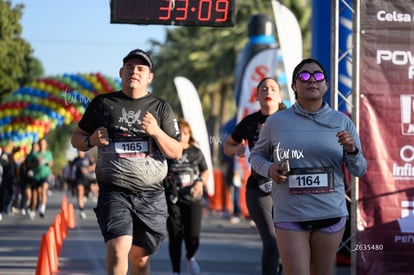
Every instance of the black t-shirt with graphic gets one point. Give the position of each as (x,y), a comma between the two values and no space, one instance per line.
(132,161)
(186,170)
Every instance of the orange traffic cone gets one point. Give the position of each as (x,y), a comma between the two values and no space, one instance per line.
(51,250)
(64,218)
(64,207)
(63,226)
(58,232)
(71,216)
(220,201)
(43,267)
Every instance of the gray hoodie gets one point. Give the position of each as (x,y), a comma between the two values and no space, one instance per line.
(308,140)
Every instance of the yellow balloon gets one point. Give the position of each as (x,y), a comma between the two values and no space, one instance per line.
(15,112)
(41,85)
(63,110)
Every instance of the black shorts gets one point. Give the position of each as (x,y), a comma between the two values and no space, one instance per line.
(140,215)
(83,181)
(39,183)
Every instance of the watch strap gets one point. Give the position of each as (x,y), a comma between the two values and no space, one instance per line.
(88,142)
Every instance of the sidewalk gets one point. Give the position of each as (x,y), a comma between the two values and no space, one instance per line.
(225,249)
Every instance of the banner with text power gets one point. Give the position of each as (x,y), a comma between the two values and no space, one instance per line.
(385,236)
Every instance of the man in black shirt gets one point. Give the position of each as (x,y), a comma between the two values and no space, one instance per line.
(134,132)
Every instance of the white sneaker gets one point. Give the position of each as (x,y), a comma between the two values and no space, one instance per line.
(1,217)
(192,267)
(42,210)
(14,210)
(252,223)
(235,220)
(32,214)
(82,215)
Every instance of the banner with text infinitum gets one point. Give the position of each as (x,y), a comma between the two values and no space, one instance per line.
(385,235)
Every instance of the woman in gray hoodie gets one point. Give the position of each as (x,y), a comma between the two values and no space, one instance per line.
(303,149)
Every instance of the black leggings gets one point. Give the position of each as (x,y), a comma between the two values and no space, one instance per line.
(183,223)
(260,209)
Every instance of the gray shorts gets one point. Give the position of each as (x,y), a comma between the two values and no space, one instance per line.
(140,215)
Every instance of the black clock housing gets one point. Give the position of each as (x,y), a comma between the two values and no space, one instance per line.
(217,13)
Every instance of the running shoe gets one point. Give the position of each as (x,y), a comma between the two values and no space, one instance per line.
(192,267)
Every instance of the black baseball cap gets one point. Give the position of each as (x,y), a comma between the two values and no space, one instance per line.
(141,54)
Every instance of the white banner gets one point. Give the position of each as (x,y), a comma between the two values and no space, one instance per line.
(193,113)
(290,39)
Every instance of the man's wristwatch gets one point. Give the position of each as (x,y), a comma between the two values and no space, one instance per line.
(88,142)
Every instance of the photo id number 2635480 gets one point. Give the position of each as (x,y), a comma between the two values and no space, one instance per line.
(368,247)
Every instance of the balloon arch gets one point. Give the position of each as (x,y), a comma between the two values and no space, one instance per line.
(30,112)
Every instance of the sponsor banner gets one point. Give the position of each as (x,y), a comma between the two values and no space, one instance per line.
(267,62)
(385,237)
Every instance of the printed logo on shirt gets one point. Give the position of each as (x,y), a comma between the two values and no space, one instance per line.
(183,159)
(281,154)
(130,117)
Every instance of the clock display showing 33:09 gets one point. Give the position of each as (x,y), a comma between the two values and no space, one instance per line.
(218,13)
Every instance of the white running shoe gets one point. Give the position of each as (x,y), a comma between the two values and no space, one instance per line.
(235,220)
(252,223)
(32,214)
(82,215)
(192,267)
(42,210)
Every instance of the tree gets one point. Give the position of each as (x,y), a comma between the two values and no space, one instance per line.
(207,57)
(18,66)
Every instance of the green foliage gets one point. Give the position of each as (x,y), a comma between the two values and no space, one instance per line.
(17,67)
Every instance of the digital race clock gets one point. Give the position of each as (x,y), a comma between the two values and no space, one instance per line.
(218,13)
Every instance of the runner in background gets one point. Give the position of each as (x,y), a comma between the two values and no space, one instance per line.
(81,166)
(258,189)
(184,189)
(43,174)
